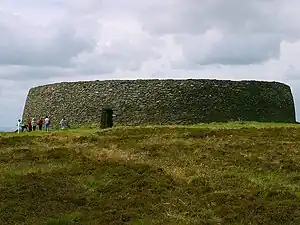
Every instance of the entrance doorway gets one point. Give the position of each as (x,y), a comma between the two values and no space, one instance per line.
(106,118)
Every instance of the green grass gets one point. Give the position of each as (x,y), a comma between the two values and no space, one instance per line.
(231,173)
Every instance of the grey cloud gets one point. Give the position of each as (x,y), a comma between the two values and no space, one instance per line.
(11,102)
(256,23)
(190,16)
(240,50)
(292,74)
(252,30)
(118,54)
(67,40)
(194,17)
(27,76)
(251,33)
(39,46)
(263,24)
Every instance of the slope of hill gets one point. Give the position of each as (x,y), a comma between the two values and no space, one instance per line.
(244,174)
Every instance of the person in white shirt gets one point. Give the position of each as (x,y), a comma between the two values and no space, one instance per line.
(63,124)
(33,123)
(47,123)
(19,126)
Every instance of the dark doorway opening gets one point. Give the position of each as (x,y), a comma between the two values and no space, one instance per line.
(106,118)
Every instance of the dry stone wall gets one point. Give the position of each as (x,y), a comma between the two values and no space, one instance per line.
(141,102)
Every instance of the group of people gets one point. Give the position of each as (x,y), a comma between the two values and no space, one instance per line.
(33,124)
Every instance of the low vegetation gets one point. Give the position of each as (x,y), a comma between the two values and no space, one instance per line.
(237,173)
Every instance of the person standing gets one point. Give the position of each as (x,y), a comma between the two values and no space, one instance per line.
(40,124)
(19,125)
(47,123)
(29,125)
(33,123)
(63,124)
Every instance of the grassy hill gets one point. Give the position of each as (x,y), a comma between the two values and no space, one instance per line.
(232,173)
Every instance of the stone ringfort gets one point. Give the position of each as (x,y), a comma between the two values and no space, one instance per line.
(146,102)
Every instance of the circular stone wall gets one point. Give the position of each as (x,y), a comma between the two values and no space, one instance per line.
(141,102)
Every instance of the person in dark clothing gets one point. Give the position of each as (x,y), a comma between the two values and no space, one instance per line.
(23,127)
(40,124)
(29,125)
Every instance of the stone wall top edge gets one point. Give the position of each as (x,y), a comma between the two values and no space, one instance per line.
(151,80)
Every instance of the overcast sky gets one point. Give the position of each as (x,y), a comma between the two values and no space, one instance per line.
(45,41)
